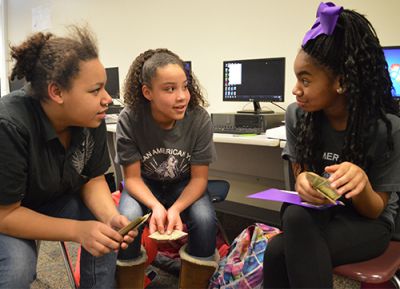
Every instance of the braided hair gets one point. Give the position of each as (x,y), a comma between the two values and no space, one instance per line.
(144,68)
(45,58)
(353,53)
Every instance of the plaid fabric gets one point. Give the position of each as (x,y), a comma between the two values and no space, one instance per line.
(242,268)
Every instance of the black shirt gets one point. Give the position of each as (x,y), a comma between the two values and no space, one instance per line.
(35,168)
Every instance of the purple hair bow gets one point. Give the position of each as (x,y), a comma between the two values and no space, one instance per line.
(327,16)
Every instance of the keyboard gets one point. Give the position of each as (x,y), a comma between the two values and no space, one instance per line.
(242,130)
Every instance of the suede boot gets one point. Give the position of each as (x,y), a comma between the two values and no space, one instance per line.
(196,273)
(130,273)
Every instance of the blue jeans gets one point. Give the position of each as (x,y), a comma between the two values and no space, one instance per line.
(200,218)
(18,257)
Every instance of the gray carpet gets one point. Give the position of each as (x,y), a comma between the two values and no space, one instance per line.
(51,272)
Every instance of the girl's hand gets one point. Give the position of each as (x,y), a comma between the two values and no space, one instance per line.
(347,178)
(97,238)
(307,192)
(174,220)
(120,221)
(158,219)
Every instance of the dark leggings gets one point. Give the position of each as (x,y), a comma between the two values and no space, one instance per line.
(315,241)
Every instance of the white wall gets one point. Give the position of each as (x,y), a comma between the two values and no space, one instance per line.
(205,32)
(3,50)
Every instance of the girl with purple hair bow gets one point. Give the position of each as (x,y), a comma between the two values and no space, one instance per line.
(345,126)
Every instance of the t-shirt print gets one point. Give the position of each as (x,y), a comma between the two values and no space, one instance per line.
(166,164)
(83,152)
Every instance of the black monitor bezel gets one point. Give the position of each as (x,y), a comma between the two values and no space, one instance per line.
(250,99)
(114,81)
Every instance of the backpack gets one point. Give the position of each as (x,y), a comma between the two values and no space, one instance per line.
(242,268)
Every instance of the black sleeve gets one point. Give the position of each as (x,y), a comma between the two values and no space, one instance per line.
(13,163)
(384,173)
(99,162)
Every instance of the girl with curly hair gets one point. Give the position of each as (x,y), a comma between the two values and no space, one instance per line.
(344,126)
(164,143)
(53,156)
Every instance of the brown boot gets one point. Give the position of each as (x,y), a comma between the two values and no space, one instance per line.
(130,274)
(196,273)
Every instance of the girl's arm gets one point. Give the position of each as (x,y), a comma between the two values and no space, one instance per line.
(352,182)
(136,186)
(21,222)
(140,192)
(192,192)
(304,189)
(97,197)
(194,189)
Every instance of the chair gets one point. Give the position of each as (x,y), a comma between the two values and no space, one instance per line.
(218,190)
(378,270)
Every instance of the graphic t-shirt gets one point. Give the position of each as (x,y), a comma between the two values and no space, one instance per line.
(165,155)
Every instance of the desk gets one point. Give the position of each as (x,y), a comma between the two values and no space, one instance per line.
(250,164)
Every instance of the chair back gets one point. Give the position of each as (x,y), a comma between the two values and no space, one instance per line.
(218,190)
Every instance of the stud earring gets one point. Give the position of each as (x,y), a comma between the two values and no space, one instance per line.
(340,90)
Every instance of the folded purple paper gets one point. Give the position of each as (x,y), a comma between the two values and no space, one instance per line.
(288,197)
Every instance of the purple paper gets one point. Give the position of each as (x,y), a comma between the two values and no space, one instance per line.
(288,197)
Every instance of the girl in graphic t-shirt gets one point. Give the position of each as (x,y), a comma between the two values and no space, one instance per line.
(344,126)
(164,143)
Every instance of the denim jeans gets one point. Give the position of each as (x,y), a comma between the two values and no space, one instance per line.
(200,218)
(18,257)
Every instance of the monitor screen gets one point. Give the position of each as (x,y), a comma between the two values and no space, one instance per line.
(254,80)
(188,69)
(188,66)
(112,84)
(392,55)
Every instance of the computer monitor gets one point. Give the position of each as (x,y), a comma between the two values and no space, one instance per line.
(112,84)
(254,80)
(187,65)
(392,55)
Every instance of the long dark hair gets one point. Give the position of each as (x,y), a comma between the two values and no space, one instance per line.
(144,68)
(354,53)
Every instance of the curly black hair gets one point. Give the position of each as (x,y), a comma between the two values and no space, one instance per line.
(144,68)
(45,58)
(353,53)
